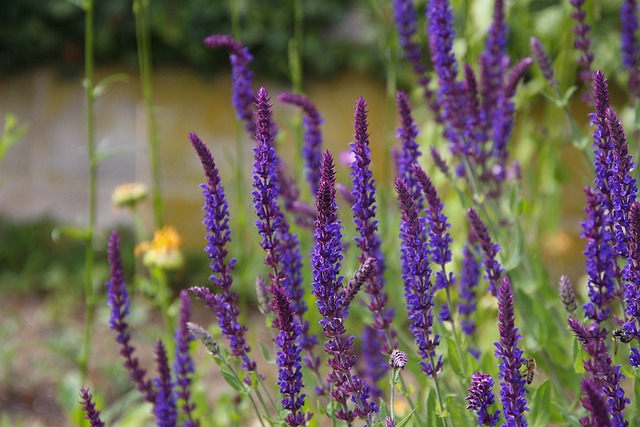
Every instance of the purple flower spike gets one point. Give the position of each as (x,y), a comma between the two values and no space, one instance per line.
(605,375)
(364,214)
(89,408)
(183,365)
(489,250)
(288,358)
(568,295)
(407,133)
(512,386)
(481,398)
(593,401)
(493,64)
(469,278)
(582,42)
(543,61)
(327,287)
(632,278)
(164,407)
(216,221)
(418,289)
(440,163)
(441,35)
(241,76)
(439,238)
(375,362)
(312,149)
(118,300)
(629,43)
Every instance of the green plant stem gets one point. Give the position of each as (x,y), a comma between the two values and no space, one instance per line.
(437,384)
(141,13)
(253,402)
(90,298)
(163,301)
(463,359)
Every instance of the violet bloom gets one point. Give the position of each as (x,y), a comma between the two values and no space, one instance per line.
(375,360)
(629,43)
(406,20)
(288,358)
(407,134)
(469,278)
(593,401)
(605,374)
(475,132)
(118,300)
(632,278)
(164,408)
(327,287)
(582,42)
(568,295)
(418,289)
(441,35)
(241,76)
(439,161)
(543,61)
(489,250)
(481,398)
(89,408)
(512,385)
(364,217)
(183,365)
(600,260)
(216,221)
(312,148)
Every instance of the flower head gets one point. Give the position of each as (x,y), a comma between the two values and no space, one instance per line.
(469,278)
(163,252)
(164,407)
(593,401)
(582,41)
(489,250)
(543,61)
(568,295)
(629,43)
(481,398)
(129,194)
(89,408)
(183,365)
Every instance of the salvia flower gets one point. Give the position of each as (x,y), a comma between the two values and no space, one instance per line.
(407,134)
(512,385)
(629,43)
(567,295)
(89,408)
(364,273)
(469,279)
(312,148)
(375,362)
(183,365)
(632,278)
(489,250)
(481,398)
(288,357)
(327,287)
(593,401)
(164,408)
(543,61)
(241,76)
(582,42)
(118,300)
(439,161)
(364,217)
(398,359)
(202,335)
(216,221)
(605,375)
(416,275)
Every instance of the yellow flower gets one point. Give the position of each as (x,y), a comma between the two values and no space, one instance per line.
(163,251)
(129,194)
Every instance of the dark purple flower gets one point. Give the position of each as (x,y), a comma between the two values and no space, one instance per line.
(407,133)
(241,76)
(441,35)
(469,278)
(632,279)
(89,408)
(543,61)
(363,274)
(481,398)
(418,289)
(164,408)
(582,42)
(440,163)
(568,295)
(327,287)
(183,365)
(364,217)
(406,20)
(629,43)
(288,357)
(118,300)
(216,221)
(605,375)
(600,260)
(593,401)
(312,148)
(489,250)
(512,385)
(476,131)
(375,360)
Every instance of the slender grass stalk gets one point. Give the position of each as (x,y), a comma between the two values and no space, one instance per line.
(89,293)
(141,14)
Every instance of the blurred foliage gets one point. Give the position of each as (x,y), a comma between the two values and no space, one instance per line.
(337,34)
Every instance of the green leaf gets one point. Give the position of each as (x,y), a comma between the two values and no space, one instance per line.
(453,356)
(383,412)
(101,87)
(266,353)
(539,407)
(232,379)
(406,419)
(569,93)
(579,356)
(70,231)
(432,416)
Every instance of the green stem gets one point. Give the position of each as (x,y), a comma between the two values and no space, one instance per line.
(163,301)
(463,359)
(141,13)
